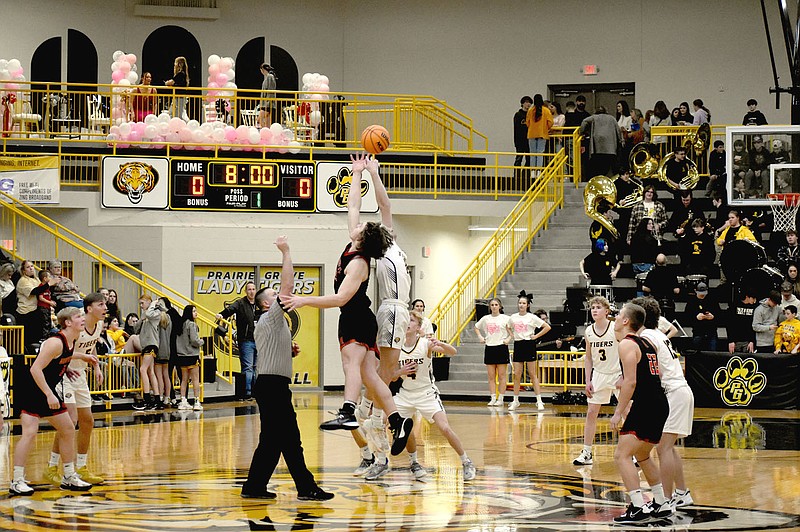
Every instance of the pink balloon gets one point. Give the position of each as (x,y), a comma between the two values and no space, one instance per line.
(213,70)
(230,133)
(221,79)
(130,58)
(185,135)
(176,124)
(266,134)
(213,85)
(17,72)
(117,75)
(135,136)
(242,133)
(224,65)
(125,66)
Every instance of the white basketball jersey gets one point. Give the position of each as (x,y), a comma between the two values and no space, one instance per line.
(669,367)
(605,356)
(85,344)
(391,271)
(423,378)
(525,326)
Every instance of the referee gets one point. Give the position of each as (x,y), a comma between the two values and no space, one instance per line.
(280,434)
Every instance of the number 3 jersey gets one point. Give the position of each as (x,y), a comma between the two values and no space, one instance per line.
(423,378)
(605,356)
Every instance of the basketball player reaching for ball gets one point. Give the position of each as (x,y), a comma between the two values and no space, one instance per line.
(681,406)
(358,327)
(75,391)
(602,371)
(644,422)
(42,401)
(418,392)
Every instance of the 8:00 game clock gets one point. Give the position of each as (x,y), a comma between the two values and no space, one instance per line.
(255,186)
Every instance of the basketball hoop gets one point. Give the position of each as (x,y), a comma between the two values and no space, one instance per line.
(784,208)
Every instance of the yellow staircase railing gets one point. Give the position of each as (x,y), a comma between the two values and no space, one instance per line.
(498,256)
(29,234)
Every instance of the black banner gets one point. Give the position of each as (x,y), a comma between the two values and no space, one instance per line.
(747,380)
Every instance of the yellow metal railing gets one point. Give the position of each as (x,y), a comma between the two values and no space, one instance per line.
(38,238)
(555,369)
(498,256)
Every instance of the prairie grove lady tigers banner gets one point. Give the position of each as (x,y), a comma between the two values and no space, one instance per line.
(215,286)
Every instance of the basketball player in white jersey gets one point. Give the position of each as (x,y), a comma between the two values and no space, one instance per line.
(681,406)
(75,390)
(419,393)
(394,290)
(602,371)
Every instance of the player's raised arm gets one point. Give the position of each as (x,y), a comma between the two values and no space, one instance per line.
(381,196)
(354,197)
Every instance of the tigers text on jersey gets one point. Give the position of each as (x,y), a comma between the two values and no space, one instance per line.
(423,378)
(391,272)
(605,356)
(85,345)
(669,366)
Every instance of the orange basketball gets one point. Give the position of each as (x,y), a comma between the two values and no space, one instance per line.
(375,139)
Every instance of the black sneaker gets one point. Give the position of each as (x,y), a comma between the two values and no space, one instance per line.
(342,421)
(317,494)
(633,515)
(401,433)
(258,494)
(139,406)
(660,511)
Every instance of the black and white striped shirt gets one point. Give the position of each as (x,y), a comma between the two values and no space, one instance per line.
(273,343)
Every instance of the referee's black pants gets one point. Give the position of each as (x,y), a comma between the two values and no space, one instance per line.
(279,435)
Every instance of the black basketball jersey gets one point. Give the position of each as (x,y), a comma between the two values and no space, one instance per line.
(360,300)
(648,380)
(54,371)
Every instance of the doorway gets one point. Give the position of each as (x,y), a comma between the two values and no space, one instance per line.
(605,94)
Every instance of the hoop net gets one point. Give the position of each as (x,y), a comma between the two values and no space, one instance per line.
(784,209)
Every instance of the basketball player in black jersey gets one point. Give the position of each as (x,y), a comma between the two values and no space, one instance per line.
(642,427)
(39,400)
(358,327)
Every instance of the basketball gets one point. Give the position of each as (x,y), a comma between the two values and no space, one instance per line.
(375,139)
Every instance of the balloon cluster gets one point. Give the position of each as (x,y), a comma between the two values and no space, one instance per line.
(11,72)
(123,75)
(220,77)
(158,131)
(317,83)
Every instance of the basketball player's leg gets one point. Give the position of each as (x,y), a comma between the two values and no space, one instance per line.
(22,449)
(443,424)
(401,427)
(670,463)
(353,355)
(65,432)
(590,429)
(628,447)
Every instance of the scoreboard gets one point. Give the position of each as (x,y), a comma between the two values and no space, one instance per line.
(257,186)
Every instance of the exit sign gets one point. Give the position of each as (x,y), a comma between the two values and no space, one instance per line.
(589,70)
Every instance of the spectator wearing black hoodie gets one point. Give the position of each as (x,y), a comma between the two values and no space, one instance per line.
(741,336)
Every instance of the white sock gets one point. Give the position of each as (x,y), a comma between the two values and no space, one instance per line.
(377,414)
(19,472)
(54,458)
(680,492)
(366,404)
(658,493)
(81,461)
(637,499)
(539,398)
(381,458)
(412,457)
(366,454)
(69,469)
(500,398)
(587,448)
(516,397)
(464,458)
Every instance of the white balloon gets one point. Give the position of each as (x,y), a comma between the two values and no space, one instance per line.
(150,131)
(218,135)
(164,117)
(276,129)
(5,74)
(315,118)
(114,66)
(213,59)
(125,129)
(112,136)
(14,64)
(124,81)
(163,128)
(230,85)
(323,80)
(231,74)
(306,78)
(133,77)
(193,124)
(117,55)
(198,136)
(288,134)
(294,147)
(231,61)
(150,119)
(253,136)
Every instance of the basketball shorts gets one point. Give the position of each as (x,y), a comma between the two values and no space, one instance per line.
(360,327)
(393,321)
(76,392)
(524,350)
(681,412)
(425,401)
(603,385)
(646,420)
(495,354)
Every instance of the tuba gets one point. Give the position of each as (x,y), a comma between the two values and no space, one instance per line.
(634,197)
(698,141)
(600,188)
(688,182)
(644,160)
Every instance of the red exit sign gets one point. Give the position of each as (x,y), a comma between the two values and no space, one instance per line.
(589,70)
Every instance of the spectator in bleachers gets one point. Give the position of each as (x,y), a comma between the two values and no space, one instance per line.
(683,214)
(792,278)
(675,116)
(649,207)
(716,169)
(662,283)
(625,187)
(753,117)
(660,117)
(45,304)
(130,323)
(787,335)
(64,292)
(733,230)
(741,336)
(685,118)
(766,317)
(704,315)
(112,305)
(720,217)
(677,168)
(539,121)
(28,290)
(521,137)
(760,159)
(623,116)
(7,289)
(701,113)
(426,327)
(600,267)
(605,139)
(644,247)
(696,249)
(117,335)
(780,154)
(789,252)
(598,230)
(575,117)
(787,296)
(741,162)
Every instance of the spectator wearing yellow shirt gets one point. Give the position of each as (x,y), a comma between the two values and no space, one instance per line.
(787,335)
(118,335)
(733,230)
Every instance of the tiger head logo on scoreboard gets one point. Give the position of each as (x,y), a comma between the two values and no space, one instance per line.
(338,187)
(135,179)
